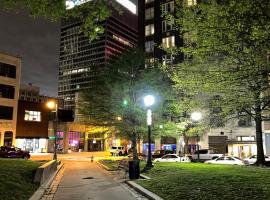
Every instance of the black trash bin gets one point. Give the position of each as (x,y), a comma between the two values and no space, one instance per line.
(134,169)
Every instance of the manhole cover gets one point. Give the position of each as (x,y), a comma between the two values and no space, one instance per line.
(90,177)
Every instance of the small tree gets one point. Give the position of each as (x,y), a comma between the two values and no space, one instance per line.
(226,45)
(117,100)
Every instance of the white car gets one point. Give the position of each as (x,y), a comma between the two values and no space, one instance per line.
(252,159)
(117,150)
(172,158)
(227,160)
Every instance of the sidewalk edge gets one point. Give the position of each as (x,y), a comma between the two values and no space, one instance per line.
(41,190)
(143,191)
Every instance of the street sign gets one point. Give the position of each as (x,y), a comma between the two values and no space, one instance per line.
(52,137)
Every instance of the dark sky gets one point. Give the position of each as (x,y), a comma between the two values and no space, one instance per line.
(37,42)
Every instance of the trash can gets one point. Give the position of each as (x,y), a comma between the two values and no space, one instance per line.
(134,169)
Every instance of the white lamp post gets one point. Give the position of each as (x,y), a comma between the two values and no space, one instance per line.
(52,105)
(196,117)
(149,100)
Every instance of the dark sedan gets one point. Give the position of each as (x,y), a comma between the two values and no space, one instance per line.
(13,152)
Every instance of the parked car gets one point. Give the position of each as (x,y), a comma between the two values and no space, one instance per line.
(172,158)
(252,159)
(160,153)
(227,160)
(13,152)
(205,154)
(117,150)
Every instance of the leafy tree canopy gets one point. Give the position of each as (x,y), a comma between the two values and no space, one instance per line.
(90,13)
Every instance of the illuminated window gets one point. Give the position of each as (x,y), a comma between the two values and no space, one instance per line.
(168,42)
(149,30)
(191,2)
(166,26)
(149,13)
(167,59)
(32,116)
(245,138)
(149,46)
(167,7)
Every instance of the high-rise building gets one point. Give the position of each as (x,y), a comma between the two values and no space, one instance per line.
(155,31)
(81,60)
(10,73)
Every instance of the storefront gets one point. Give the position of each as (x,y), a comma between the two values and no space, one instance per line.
(243,147)
(33,145)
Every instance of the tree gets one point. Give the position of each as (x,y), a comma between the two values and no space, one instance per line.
(91,13)
(226,43)
(118,98)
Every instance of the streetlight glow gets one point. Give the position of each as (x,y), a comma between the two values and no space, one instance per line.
(51,105)
(196,116)
(149,100)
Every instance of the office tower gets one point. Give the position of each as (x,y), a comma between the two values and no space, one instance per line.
(81,61)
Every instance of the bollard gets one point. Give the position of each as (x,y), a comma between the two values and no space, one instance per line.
(92,158)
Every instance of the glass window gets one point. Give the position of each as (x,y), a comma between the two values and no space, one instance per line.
(148,1)
(167,59)
(166,26)
(149,13)
(7,91)
(167,7)
(149,29)
(6,112)
(7,70)
(168,42)
(191,2)
(149,46)
(221,158)
(230,158)
(245,138)
(32,116)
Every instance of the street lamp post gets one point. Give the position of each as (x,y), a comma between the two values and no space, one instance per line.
(52,105)
(149,100)
(196,117)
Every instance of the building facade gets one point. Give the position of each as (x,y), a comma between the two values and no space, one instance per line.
(10,72)
(81,61)
(32,126)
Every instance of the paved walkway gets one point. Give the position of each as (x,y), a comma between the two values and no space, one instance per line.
(86,181)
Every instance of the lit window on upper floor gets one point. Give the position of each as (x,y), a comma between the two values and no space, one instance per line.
(149,46)
(191,2)
(166,26)
(34,116)
(149,29)
(167,7)
(167,59)
(149,13)
(168,42)
(148,1)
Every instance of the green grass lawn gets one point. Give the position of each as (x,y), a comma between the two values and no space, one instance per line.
(182,181)
(16,178)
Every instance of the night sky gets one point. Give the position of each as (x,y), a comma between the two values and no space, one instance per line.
(37,42)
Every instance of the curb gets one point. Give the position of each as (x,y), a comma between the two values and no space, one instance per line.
(104,166)
(41,190)
(143,191)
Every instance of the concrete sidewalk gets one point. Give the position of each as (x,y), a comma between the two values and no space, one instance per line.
(86,180)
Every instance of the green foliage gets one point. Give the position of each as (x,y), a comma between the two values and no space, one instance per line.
(91,13)
(226,45)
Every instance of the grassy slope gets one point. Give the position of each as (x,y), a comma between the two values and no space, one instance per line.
(16,179)
(205,182)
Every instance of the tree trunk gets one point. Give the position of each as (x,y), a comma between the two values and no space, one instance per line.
(186,139)
(259,141)
(134,146)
